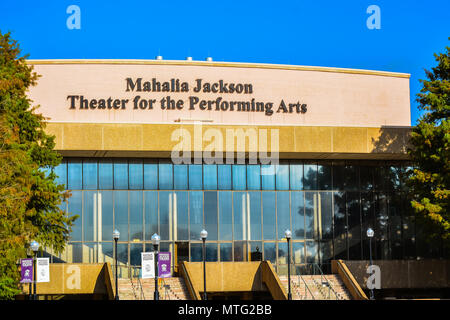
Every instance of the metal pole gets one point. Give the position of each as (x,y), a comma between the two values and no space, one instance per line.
(117,281)
(289,270)
(156,296)
(370,254)
(34,276)
(204,271)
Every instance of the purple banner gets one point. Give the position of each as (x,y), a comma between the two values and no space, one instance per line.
(26,270)
(164,270)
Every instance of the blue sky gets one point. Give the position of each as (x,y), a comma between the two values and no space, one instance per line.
(315,33)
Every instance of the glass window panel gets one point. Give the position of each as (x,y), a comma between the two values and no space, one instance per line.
(253,177)
(225,215)
(166,208)
(324,171)
(381,227)
(351,177)
(283,213)
(195,214)
(311,208)
(298,215)
(135,253)
(61,172)
(90,252)
(312,254)
(392,178)
(379,177)
(122,253)
(120,174)
(90,215)
(211,251)
(240,215)
(106,253)
(255,216)
(180,177)
(150,175)
(105,175)
(354,225)
(121,214)
(151,213)
(296,176)
(182,221)
(136,174)
(270,252)
(240,251)
(105,199)
(340,225)
(211,214)
(136,216)
(75,253)
(326,215)
(268,177)
(366,177)
(226,252)
(165,175)
(338,175)
(224,176)
(255,250)
(282,176)
(196,252)
(75,208)
(310,176)
(326,252)
(298,251)
(74,175)
(269,214)
(282,252)
(210,176)
(90,174)
(239,179)
(195,176)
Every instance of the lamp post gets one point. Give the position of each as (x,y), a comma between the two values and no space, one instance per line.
(370,234)
(34,247)
(288,235)
(203,235)
(116,236)
(155,241)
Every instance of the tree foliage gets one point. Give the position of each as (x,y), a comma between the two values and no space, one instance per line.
(29,195)
(430,182)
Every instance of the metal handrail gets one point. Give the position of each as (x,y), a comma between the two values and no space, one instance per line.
(306,287)
(327,282)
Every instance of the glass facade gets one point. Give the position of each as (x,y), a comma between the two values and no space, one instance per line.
(245,209)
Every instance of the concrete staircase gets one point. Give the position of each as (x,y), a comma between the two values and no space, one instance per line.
(335,290)
(172,288)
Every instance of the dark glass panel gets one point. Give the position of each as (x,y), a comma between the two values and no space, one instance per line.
(150,213)
(105,174)
(182,215)
(121,214)
(136,179)
(225,215)
(240,251)
(296,176)
(324,176)
(195,214)
(226,252)
(210,199)
(283,214)
(310,176)
(298,215)
(269,215)
(120,174)
(106,204)
(255,215)
(150,174)
(136,216)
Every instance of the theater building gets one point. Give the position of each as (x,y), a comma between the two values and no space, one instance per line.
(242,150)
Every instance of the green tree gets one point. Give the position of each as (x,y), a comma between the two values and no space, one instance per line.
(430,181)
(29,194)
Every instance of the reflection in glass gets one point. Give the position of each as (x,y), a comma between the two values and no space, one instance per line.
(226,253)
(89,174)
(61,172)
(150,213)
(150,175)
(340,234)
(75,208)
(224,176)
(311,252)
(311,212)
(74,175)
(298,250)
(282,252)
(255,248)
(324,176)
(225,215)
(240,215)
(240,251)
(180,177)
(269,215)
(121,214)
(120,174)
(325,215)
(296,176)
(270,251)
(253,177)
(210,176)
(195,177)
(211,251)
(210,199)
(136,216)
(268,177)
(181,214)
(166,208)
(283,213)
(239,181)
(282,176)
(196,252)
(165,176)
(135,253)
(105,174)
(298,215)
(310,176)
(254,233)
(136,174)
(90,217)
(195,214)
(105,199)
